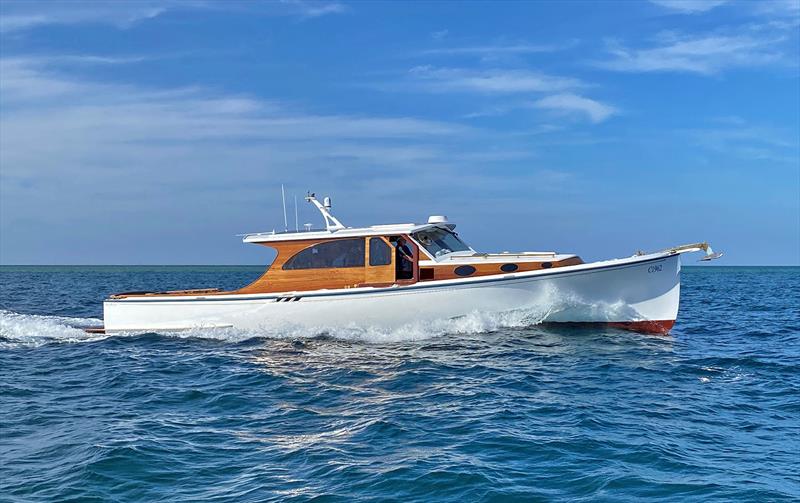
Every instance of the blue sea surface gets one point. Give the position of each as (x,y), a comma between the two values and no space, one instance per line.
(471,411)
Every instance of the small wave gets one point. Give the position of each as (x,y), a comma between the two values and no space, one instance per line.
(32,330)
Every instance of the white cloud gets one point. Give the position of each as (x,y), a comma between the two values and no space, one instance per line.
(707,54)
(61,132)
(126,113)
(777,8)
(734,136)
(23,15)
(19,15)
(506,90)
(494,81)
(315,9)
(494,50)
(689,6)
(574,104)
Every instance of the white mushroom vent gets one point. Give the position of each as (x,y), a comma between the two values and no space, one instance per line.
(437,219)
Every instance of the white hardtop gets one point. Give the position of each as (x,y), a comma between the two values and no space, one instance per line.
(466,257)
(334,229)
(347,232)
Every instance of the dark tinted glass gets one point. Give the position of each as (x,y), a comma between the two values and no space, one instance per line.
(379,252)
(547,265)
(464,270)
(509,267)
(339,253)
(440,241)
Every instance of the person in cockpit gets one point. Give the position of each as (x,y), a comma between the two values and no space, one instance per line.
(404,260)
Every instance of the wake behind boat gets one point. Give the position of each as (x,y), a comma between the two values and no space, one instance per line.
(391,275)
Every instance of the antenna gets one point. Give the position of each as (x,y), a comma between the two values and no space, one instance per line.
(296,228)
(285,222)
(331,223)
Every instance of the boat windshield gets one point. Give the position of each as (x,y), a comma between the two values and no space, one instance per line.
(438,241)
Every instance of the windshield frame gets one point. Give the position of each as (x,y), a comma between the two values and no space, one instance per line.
(437,250)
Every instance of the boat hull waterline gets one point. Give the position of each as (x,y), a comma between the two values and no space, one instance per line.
(639,293)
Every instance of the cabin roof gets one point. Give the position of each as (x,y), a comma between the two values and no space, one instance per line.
(374,230)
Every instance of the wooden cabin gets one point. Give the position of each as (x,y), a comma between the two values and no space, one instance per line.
(369,257)
(341,257)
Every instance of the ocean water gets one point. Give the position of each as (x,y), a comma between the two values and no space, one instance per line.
(482,409)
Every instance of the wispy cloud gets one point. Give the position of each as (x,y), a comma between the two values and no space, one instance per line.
(496,110)
(492,81)
(136,113)
(63,131)
(440,34)
(734,136)
(311,9)
(504,49)
(689,6)
(576,105)
(783,8)
(505,88)
(707,55)
(24,15)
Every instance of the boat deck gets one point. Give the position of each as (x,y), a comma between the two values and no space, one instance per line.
(195,291)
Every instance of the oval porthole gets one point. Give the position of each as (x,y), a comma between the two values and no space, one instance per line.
(464,270)
(509,267)
(547,265)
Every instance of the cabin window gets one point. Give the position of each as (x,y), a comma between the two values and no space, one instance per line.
(330,254)
(547,265)
(379,252)
(464,270)
(440,241)
(509,267)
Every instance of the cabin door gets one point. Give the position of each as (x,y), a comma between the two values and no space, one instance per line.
(380,261)
(386,265)
(406,259)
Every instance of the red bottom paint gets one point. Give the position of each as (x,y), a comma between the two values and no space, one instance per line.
(661,327)
(649,327)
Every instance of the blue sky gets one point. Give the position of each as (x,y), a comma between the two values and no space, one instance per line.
(153,132)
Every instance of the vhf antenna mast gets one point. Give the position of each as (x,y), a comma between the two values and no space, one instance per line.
(296,228)
(285,221)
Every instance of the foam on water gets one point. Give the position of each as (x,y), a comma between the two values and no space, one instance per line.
(551,305)
(30,330)
(472,323)
(26,330)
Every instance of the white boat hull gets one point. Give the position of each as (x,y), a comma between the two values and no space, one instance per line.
(641,293)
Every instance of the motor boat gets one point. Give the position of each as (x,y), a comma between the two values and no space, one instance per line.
(391,275)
